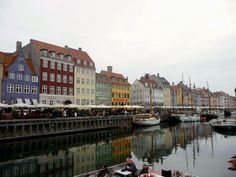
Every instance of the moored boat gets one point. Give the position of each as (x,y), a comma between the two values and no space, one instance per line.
(146,119)
(224,124)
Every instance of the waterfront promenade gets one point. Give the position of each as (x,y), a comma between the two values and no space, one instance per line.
(25,128)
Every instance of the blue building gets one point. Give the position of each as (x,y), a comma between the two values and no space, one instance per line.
(19,83)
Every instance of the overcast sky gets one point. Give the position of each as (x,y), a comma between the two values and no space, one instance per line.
(170,37)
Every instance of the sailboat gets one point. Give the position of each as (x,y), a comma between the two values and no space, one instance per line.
(147,119)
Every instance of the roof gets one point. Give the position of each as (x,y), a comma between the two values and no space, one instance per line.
(119,78)
(8,59)
(150,83)
(76,54)
(102,79)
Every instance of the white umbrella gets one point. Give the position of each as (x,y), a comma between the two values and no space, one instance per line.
(22,105)
(2,105)
(58,106)
(40,105)
(72,106)
(102,106)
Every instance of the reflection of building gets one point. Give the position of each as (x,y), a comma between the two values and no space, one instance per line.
(103,154)
(84,159)
(56,164)
(19,168)
(121,149)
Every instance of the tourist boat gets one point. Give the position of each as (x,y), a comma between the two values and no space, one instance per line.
(146,119)
(224,124)
(232,163)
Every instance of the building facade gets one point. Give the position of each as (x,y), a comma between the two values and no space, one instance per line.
(142,89)
(84,78)
(120,87)
(103,90)
(20,83)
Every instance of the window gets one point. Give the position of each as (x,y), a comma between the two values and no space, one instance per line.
(34,90)
(51,102)
(58,91)
(64,67)
(20,67)
(87,81)
(83,81)
(70,91)
(18,88)
(52,90)
(58,66)
(11,76)
(19,76)
(82,91)
(77,90)
(64,79)
(90,64)
(92,82)
(45,63)
(44,101)
(92,102)
(87,71)
(70,80)
(27,89)
(85,63)
(53,54)
(78,69)
(44,89)
(52,65)
(10,88)
(87,91)
(78,101)
(92,72)
(78,61)
(52,77)
(45,76)
(83,102)
(59,78)
(64,91)
(71,68)
(35,79)
(92,91)
(78,80)
(83,71)
(26,77)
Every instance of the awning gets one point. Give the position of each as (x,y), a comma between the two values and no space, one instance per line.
(27,101)
(35,102)
(19,100)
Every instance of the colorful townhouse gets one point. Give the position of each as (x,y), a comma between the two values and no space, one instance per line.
(140,93)
(84,77)
(103,90)
(120,87)
(20,84)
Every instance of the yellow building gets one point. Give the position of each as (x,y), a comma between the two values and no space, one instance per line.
(84,79)
(120,87)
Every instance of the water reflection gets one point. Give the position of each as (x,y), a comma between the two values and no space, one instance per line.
(188,147)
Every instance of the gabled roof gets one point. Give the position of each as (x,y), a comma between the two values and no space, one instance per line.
(102,79)
(150,83)
(112,75)
(76,54)
(9,58)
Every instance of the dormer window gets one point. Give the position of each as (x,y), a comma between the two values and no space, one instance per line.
(53,54)
(91,64)
(68,57)
(44,52)
(85,63)
(78,61)
(61,55)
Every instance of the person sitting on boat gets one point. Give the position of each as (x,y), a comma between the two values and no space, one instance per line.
(145,170)
(104,172)
(130,166)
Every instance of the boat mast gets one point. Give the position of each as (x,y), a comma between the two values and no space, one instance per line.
(209,99)
(151,110)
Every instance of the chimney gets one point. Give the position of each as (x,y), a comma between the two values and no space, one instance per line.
(80,49)
(146,76)
(66,46)
(109,68)
(158,75)
(18,46)
(173,83)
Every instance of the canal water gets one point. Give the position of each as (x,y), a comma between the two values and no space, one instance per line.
(188,147)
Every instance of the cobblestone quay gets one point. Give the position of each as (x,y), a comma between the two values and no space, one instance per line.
(23,128)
